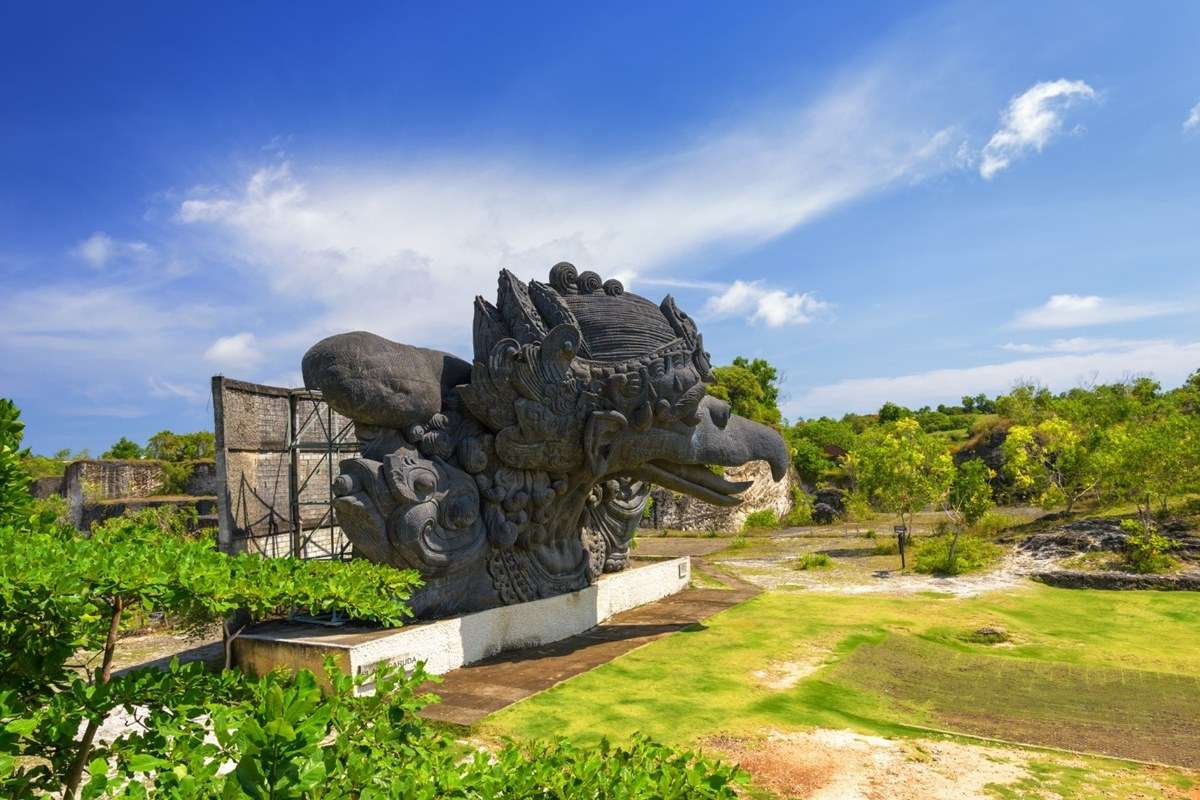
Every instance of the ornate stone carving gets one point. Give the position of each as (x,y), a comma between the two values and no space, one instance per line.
(525,473)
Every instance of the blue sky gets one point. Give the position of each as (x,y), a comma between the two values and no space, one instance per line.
(889,201)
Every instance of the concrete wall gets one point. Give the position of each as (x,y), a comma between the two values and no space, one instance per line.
(681,512)
(448,644)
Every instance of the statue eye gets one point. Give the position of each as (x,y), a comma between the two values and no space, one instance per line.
(424,483)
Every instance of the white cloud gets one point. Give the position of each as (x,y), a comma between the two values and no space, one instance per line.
(1169,362)
(168,389)
(1192,122)
(1076,310)
(1031,120)
(237,352)
(401,248)
(99,249)
(772,307)
(1078,344)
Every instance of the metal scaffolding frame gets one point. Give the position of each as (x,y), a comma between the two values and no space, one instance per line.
(285,506)
(334,441)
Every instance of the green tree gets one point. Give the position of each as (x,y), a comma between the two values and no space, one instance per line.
(14,480)
(809,459)
(969,498)
(124,449)
(1150,461)
(171,446)
(902,469)
(751,389)
(1026,404)
(1052,461)
(890,412)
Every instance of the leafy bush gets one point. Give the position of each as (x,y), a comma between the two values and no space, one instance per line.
(812,561)
(765,519)
(801,511)
(176,475)
(43,466)
(1147,550)
(286,739)
(992,524)
(943,555)
(887,547)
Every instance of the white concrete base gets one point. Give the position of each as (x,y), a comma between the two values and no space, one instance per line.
(451,643)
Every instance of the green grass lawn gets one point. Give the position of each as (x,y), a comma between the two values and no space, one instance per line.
(1108,672)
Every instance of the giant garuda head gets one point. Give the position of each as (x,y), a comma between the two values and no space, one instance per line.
(525,474)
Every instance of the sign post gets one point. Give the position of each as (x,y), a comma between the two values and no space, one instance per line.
(901,535)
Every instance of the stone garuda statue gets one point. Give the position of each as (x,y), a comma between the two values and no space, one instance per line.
(525,474)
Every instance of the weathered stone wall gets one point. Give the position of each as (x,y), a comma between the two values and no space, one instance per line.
(268,436)
(107,480)
(97,481)
(680,512)
(41,488)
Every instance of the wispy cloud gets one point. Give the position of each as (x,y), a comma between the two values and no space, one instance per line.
(372,248)
(1079,344)
(1192,123)
(1030,121)
(1169,362)
(760,304)
(99,249)
(1077,311)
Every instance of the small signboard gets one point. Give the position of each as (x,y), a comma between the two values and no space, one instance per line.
(900,529)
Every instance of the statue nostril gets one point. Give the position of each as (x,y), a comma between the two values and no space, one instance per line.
(719,411)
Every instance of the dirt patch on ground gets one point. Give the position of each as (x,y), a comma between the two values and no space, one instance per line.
(841,765)
(785,673)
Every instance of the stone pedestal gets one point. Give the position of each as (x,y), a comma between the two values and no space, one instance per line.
(447,644)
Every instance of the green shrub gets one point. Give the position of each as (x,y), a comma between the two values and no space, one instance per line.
(941,555)
(739,542)
(801,511)
(1147,550)
(43,466)
(176,475)
(992,524)
(812,561)
(887,547)
(858,507)
(765,519)
(869,533)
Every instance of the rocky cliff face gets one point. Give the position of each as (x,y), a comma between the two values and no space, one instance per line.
(684,513)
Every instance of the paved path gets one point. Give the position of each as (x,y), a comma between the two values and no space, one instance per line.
(675,546)
(471,693)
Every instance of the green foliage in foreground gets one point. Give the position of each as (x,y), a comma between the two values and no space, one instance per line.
(286,739)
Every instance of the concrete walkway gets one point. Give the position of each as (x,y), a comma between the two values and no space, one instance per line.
(471,693)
